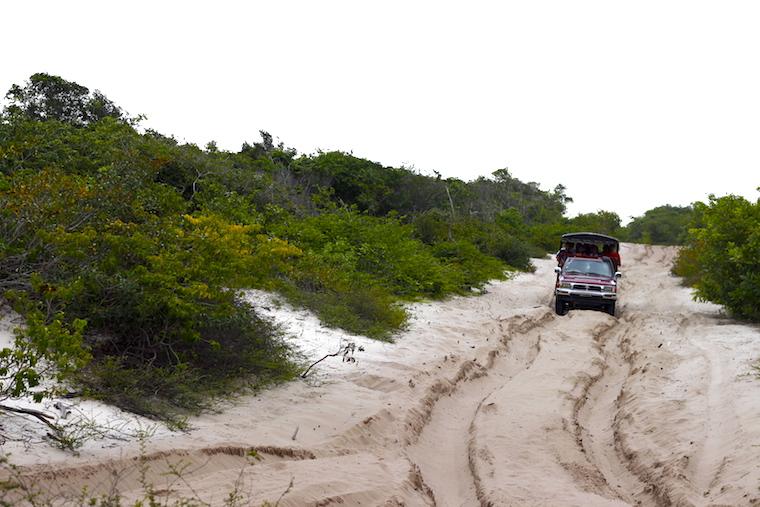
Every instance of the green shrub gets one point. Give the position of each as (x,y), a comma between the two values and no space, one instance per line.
(432,227)
(722,255)
(355,266)
(470,267)
(687,265)
(381,247)
(357,306)
(238,351)
(493,240)
(547,236)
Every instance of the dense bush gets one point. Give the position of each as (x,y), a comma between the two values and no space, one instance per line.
(664,225)
(492,239)
(127,252)
(722,256)
(154,286)
(472,268)
(356,267)
(343,298)
(381,247)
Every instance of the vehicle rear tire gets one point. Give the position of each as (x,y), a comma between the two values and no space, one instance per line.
(560,306)
(610,308)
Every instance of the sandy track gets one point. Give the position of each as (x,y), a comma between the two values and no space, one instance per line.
(492,400)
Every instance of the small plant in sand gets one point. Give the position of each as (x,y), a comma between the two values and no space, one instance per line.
(346,350)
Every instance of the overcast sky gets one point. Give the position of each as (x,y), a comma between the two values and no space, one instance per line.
(631,105)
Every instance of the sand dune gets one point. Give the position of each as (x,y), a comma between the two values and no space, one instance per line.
(489,400)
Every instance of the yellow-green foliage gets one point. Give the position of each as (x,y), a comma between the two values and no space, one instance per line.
(133,249)
(159,283)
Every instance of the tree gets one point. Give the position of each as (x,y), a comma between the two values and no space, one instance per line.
(603,222)
(47,97)
(664,225)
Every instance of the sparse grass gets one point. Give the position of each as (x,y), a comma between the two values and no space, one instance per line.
(19,488)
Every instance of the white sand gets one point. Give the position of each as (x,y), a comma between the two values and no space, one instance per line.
(490,400)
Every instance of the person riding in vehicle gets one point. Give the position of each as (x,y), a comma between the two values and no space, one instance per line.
(608,251)
(568,250)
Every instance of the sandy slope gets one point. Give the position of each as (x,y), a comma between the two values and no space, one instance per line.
(492,400)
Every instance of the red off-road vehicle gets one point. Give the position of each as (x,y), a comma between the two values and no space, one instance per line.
(587,274)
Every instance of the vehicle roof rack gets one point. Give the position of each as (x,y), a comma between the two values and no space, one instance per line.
(589,236)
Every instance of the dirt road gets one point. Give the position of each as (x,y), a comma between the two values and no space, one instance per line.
(492,400)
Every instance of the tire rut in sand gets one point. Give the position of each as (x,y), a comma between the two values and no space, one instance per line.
(596,418)
(524,447)
(678,426)
(449,413)
(715,451)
